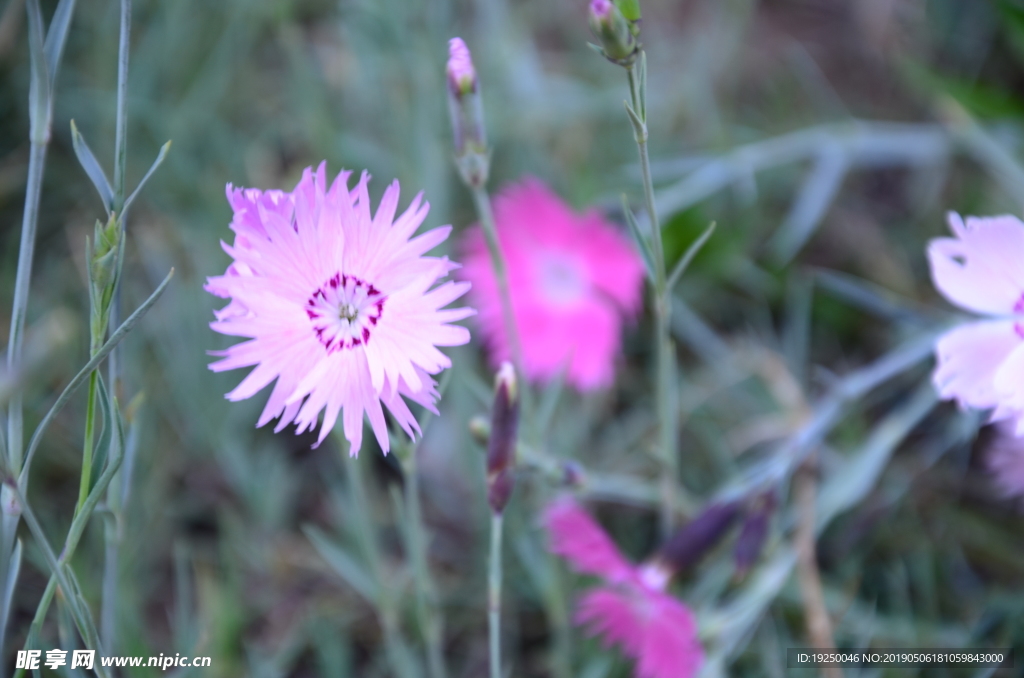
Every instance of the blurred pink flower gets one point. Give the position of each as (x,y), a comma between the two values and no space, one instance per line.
(632,610)
(573,280)
(981,364)
(337,304)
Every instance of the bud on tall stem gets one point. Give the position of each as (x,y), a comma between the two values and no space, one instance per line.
(465,106)
(616,34)
(104,252)
(689,544)
(753,534)
(501,448)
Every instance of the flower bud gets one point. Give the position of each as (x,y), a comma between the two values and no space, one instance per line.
(688,545)
(480,429)
(461,73)
(501,448)
(615,33)
(467,114)
(752,536)
(104,253)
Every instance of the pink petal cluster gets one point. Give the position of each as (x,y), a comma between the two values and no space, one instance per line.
(339,306)
(981,364)
(632,609)
(573,278)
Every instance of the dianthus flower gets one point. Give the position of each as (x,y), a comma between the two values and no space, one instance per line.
(981,364)
(632,609)
(573,279)
(337,305)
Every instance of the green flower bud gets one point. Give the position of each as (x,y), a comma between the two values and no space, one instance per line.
(614,31)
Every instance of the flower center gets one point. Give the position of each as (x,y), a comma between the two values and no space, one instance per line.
(562,280)
(343,311)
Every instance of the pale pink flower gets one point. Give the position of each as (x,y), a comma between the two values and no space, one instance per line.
(337,304)
(573,279)
(632,609)
(981,364)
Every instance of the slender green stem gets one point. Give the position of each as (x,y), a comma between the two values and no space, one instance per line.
(494,596)
(386,606)
(121,129)
(112,529)
(15,409)
(430,620)
(90,422)
(487,223)
(19,306)
(664,350)
(668,416)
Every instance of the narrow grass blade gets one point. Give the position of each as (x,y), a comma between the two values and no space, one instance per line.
(638,236)
(39,83)
(812,202)
(92,168)
(57,35)
(152,168)
(83,374)
(341,562)
(691,252)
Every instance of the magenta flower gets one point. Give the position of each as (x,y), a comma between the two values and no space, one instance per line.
(337,304)
(632,609)
(981,364)
(573,280)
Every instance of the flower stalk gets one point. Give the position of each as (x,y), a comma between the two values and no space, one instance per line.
(664,348)
(45,51)
(118,487)
(473,159)
(428,615)
(501,449)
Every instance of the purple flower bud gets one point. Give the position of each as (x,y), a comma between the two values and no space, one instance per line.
(752,537)
(601,9)
(461,74)
(688,545)
(467,114)
(501,448)
(613,31)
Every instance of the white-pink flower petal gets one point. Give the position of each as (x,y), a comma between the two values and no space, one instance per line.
(339,306)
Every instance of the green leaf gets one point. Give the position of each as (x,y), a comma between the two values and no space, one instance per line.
(629,8)
(638,237)
(642,64)
(152,168)
(39,83)
(92,168)
(57,36)
(639,128)
(344,564)
(13,569)
(691,252)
